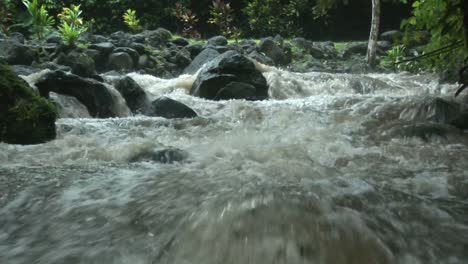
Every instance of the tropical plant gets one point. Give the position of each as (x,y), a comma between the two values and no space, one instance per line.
(131,20)
(6,17)
(71,25)
(393,57)
(41,21)
(222,16)
(188,20)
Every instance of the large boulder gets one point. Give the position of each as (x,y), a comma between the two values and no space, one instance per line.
(169,108)
(225,74)
(205,56)
(218,41)
(135,97)
(25,117)
(272,50)
(93,94)
(120,61)
(157,38)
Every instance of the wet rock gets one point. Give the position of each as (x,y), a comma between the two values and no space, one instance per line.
(15,52)
(133,94)
(205,56)
(229,67)
(80,63)
(25,118)
(430,109)
(167,156)
(120,61)
(69,106)
(169,108)
(218,41)
(93,94)
(272,50)
(236,90)
(182,58)
(460,120)
(261,58)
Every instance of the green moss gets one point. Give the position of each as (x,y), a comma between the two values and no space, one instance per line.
(25,117)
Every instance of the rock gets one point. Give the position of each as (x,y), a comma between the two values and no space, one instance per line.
(24,70)
(205,56)
(182,58)
(133,53)
(69,106)
(105,48)
(17,37)
(54,39)
(80,63)
(157,38)
(460,120)
(133,94)
(355,48)
(143,61)
(229,67)
(316,52)
(218,41)
(430,109)
(272,50)
(261,58)
(180,42)
(236,90)
(392,36)
(98,39)
(25,118)
(53,66)
(140,48)
(167,156)
(93,94)
(168,108)
(120,61)
(194,49)
(16,53)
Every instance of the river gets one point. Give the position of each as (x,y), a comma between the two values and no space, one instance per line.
(334,169)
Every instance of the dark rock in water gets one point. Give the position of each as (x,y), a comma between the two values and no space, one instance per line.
(16,53)
(69,106)
(430,109)
(195,49)
(25,117)
(236,90)
(205,56)
(261,58)
(168,108)
(180,42)
(460,120)
(392,36)
(229,67)
(80,63)
(133,94)
(218,41)
(93,94)
(272,50)
(167,156)
(120,61)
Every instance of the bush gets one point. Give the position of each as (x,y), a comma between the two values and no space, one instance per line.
(40,20)
(71,25)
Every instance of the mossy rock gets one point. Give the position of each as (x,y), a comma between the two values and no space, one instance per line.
(25,117)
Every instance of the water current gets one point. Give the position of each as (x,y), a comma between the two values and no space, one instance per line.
(334,169)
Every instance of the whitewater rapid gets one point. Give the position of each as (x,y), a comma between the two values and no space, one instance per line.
(335,168)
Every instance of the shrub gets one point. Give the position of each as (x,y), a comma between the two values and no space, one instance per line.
(222,16)
(41,21)
(131,20)
(188,21)
(71,24)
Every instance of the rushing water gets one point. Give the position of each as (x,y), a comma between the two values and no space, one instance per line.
(335,169)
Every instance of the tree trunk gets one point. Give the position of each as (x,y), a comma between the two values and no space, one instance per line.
(374,33)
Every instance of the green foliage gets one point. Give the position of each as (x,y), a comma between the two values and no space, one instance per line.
(444,20)
(131,20)
(222,16)
(393,56)
(271,17)
(41,21)
(188,20)
(71,25)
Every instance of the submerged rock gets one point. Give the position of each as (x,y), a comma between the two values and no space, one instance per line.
(25,117)
(168,156)
(227,68)
(169,108)
(93,94)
